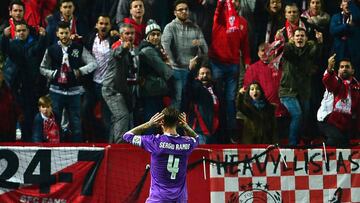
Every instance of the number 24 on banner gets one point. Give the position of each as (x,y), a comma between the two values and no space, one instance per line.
(44,179)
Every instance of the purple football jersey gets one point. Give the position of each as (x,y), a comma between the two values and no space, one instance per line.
(169,156)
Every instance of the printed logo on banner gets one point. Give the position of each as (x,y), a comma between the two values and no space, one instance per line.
(255,192)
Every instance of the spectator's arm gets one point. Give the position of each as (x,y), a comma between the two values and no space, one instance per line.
(166,40)
(203,45)
(154,60)
(90,62)
(219,16)
(189,92)
(40,46)
(329,79)
(120,51)
(155,120)
(45,67)
(241,105)
(337,28)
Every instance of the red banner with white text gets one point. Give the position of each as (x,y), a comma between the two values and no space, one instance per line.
(216,174)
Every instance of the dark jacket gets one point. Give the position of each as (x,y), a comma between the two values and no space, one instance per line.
(24,57)
(197,96)
(75,61)
(259,124)
(152,66)
(118,70)
(347,37)
(298,66)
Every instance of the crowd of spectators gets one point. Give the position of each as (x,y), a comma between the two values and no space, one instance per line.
(244,71)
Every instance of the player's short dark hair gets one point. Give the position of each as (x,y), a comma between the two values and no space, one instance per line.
(63,25)
(171,116)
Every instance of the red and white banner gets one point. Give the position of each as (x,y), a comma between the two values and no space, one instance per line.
(110,174)
(288,175)
(56,174)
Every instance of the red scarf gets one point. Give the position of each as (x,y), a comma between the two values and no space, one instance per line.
(12,28)
(51,130)
(232,20)
(291,28)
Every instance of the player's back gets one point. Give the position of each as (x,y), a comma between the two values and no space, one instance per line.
(169,156)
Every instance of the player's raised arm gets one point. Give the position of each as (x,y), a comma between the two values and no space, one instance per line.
(154,121)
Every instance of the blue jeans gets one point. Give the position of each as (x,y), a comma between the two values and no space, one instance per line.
(180,76)
(226,75)
(71,103)
(293,106)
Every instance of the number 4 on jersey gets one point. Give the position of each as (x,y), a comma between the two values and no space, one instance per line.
(173,166)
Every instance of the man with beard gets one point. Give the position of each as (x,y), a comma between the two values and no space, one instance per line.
(201,102)
(295,84)
(182,40)
(339,124)
(99,44)
(63,65)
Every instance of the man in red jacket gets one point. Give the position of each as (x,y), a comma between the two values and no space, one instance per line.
(229,42)
(340,123)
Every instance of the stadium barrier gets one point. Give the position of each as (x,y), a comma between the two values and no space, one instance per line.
(216,173)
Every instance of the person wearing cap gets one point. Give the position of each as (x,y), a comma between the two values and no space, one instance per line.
(154,70)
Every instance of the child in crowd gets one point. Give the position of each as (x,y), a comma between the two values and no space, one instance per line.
(259,123)
(45,127)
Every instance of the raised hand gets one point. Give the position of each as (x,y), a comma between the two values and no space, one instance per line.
(182,119)
(331,63)
(319,36)
(156,119)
